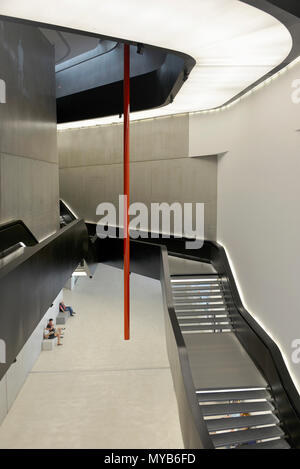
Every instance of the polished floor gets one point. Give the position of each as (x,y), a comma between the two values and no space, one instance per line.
(98,391)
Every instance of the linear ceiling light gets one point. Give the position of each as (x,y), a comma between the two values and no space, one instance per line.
(234,44)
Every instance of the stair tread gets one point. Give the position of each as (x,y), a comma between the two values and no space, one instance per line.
(212,302)
(215,425)
(244,417)
(203,287)
(246,436)
(204,308)
(233,395)
(190,281)
(196,285)
(191,276)
(218,315)
(206,328)
(274,444)
(229,409)
(202,321)
(198,294)
(196,299)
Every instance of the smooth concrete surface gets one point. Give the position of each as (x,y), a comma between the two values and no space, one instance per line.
(179,180)
(98,391)
(29,192)
(12,382)
(218,361)
(180,266)
(91,169)
(49,344)
(258,201)
(28,143)
(62,318)
(28,119)
(151,139)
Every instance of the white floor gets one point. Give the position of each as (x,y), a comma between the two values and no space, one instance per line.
(98,391)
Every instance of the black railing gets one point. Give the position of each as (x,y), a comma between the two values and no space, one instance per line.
(193,426)
(15,232)
(29,283)
(66,216)
(261,348)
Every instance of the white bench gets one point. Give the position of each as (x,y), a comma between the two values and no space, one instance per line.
(49,344)
(62,318)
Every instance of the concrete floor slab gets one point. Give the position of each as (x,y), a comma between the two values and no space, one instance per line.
(82,410)
(219,361)
(97,391)
(180,266)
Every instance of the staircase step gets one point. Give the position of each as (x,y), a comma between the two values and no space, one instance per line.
(221,315)
(235,418)
(274,444)
(216,425)
(234,396)
(189,308)
(196,288)
(200,311)
(200,288)
(246,436)
(194,280)
(241,408)
(222,322)
(198,298)
(195,302)
(205,328)
(198,294)
(195,285)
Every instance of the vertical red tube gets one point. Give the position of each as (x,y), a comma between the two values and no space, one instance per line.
(126,191)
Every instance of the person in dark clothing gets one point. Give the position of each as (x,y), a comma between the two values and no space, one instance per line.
(63,309)
(51,332)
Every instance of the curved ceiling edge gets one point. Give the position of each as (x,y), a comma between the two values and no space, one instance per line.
(162,83)
(85,94)
(291,6)
(292,23)
(241,13)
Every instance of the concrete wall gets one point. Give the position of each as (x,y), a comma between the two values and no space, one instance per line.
(28,159)
(91,167)
(28,138)
(12,382)
(258,201)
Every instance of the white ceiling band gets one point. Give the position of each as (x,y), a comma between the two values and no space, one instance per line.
(234,44)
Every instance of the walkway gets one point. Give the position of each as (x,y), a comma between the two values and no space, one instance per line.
(98,391)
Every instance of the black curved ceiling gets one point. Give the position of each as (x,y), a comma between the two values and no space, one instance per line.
(94,88)
(291,6)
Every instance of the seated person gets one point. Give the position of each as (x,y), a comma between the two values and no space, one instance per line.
(63,309)
(51,332)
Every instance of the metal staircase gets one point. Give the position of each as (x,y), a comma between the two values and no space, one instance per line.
(200,304)
(236,417)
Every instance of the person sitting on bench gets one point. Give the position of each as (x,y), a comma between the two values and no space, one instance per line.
(51,332)
(63,308)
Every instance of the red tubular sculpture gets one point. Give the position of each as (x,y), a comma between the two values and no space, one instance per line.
(126,191)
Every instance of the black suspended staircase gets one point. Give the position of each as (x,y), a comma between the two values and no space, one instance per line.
(236,402)
(232,386)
